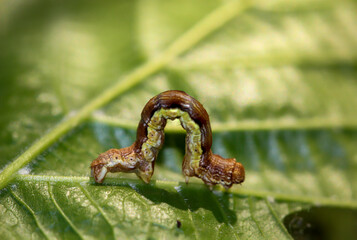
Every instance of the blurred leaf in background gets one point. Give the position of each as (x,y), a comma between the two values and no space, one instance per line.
(278,80)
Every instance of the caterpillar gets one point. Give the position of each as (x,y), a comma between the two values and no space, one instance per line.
(199,161)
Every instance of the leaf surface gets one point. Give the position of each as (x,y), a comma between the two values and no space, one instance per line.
(278,80)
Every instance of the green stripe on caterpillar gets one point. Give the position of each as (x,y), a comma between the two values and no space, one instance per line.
(199,161)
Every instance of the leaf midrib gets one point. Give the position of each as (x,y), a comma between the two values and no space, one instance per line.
(238,191)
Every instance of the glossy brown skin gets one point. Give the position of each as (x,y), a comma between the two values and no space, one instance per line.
(213,169)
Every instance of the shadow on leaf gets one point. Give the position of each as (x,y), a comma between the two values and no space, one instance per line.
(190,198)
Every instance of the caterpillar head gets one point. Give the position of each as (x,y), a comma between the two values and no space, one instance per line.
(99,167)
(113,160)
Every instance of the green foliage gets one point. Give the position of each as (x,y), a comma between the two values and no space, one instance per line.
(278,80)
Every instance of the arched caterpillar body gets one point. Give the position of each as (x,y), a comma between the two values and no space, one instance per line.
(199,161)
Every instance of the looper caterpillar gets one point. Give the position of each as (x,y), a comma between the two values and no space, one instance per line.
(199,161)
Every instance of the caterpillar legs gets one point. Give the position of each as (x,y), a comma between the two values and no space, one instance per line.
(217,170)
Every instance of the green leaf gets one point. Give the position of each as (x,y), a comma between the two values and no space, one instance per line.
(278,80)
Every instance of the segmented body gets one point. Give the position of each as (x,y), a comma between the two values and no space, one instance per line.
(199,160)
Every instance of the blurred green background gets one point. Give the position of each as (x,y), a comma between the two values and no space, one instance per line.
(278,80)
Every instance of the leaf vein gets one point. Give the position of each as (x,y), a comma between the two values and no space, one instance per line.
(61,211)
(277,220)
(86,193)
(224,214)
(254,219)
(287,197)
(189,214)
(28,208)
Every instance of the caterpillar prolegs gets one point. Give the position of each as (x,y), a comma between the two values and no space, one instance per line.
(199,161)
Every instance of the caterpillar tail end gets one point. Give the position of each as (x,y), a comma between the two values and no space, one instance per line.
(223,171)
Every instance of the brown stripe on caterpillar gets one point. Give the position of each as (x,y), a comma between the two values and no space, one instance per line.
(199,161)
